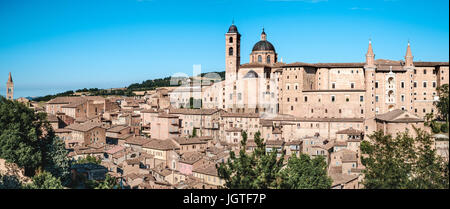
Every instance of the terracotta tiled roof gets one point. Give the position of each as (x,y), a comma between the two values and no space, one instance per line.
(62,130)
(65,100)
(254,65)
(325,65)
(161,144)
(52,118)
(430,64)
(186,141)
(115,149)
(149,111)
(137,140)
(240,115)
(350,131)
(191,157)
(334,90)
(265,122)
(233,129)
(133,161)
(393,116)
(165,115)
(184,111)
(209,169)
(74,104)
(341,178)
(84,126)
(117,129)
(335,170)
(274,143)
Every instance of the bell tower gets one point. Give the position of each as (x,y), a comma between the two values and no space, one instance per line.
(10,88)
(232,52)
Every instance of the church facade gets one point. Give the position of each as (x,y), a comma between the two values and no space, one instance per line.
(325,97)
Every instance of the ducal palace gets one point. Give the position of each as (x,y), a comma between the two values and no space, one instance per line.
(323,98)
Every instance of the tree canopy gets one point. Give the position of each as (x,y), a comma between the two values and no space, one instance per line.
(44,180)
(264,169)
(403,162)
(88,159)
(443,103)
(28,140)
(305,172)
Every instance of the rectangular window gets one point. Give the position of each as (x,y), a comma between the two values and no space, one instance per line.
(352,85)
(403,98)
(333,98)
(415,84)
(424,84)
(434,84)
(306,99)
(361,98)
(376,84)
(402,84)
(376,98)
(333,85)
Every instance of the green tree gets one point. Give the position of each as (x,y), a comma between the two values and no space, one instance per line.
(27,139)
(44,180)
(109,183)
(88,159)
(22,135)
(258,170)
(305,172)
(443,103)
(444,128)
(403,162)
(194,132)
(9,182)
(57,162)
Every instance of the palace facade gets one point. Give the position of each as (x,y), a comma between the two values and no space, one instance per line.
(323,98)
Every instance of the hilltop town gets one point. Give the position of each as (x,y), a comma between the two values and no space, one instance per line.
(173,137)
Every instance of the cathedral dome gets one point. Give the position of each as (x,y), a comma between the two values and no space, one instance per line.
(233,29)
(263,46)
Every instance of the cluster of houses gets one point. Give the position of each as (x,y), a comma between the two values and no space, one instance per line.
(146,143)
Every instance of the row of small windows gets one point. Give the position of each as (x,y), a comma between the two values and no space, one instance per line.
(425,71)
(402,84)
(326,110)
(333,85)
(333,99)
(423,110)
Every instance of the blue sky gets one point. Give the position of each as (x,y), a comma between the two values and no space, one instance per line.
(51,46)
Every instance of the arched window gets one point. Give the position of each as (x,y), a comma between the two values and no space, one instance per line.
(231,39)
(259,58)
(251,74)
(268,59)
(230,51)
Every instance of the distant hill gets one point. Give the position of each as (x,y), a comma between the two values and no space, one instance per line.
(150,84)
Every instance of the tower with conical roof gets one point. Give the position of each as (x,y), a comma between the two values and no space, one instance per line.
(369,96)
(10,88)
(408,57)
(370,56)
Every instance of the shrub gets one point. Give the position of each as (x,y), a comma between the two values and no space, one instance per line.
(444,127)
(435,127)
